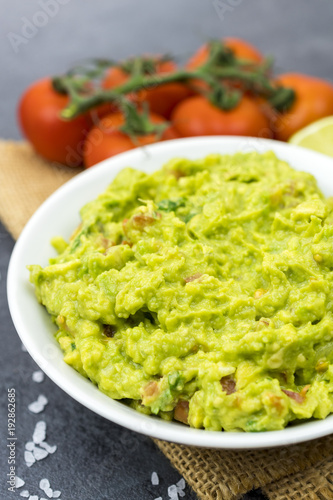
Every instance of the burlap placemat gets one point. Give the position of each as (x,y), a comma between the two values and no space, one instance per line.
(302,471)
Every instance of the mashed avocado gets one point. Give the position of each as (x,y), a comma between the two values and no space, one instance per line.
(202,292)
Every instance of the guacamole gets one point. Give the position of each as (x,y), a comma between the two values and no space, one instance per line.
(202,292)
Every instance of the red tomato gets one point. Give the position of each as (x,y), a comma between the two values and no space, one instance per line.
(102,110)
(162,98)
(52,137)
(115,77)
(314,100)
(241,49)
(197,116)
(171,133)
(105,139)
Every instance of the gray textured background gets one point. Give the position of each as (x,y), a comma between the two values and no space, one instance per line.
(97,460)
(297,32)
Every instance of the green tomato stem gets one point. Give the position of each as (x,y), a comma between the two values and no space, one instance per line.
(220,66)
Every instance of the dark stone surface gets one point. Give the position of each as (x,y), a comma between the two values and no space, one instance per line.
(96,459)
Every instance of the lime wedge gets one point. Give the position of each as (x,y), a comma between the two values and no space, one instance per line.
(317,136)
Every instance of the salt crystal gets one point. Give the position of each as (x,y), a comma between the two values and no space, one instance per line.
(48,492)
(38,376)
(33,497)
(154,479)
(30,446)
(39,405)
(19,482)
(29,458)
(39,453)
(25,494)
(159,498)
(172,492)
(56,494)
(181,485)
(50,449)
(43,399)
(40,432)
(43,484)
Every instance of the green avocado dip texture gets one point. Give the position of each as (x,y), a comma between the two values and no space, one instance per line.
(202,293)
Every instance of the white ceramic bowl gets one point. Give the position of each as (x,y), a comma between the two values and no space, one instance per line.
(59,216)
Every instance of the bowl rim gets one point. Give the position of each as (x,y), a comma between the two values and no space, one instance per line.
(113,410)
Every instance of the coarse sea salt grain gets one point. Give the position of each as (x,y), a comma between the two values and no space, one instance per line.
(30,446)
(38,376)
(19,482)
(49,492)
(29,458)
(159,498)
(39,453)
(43,484)
(56,494)
(173,492)
(25,494)
(35,453)
(154,479)
(40,432)
(33,497)
(50,449)
(39,405)
(181,485)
